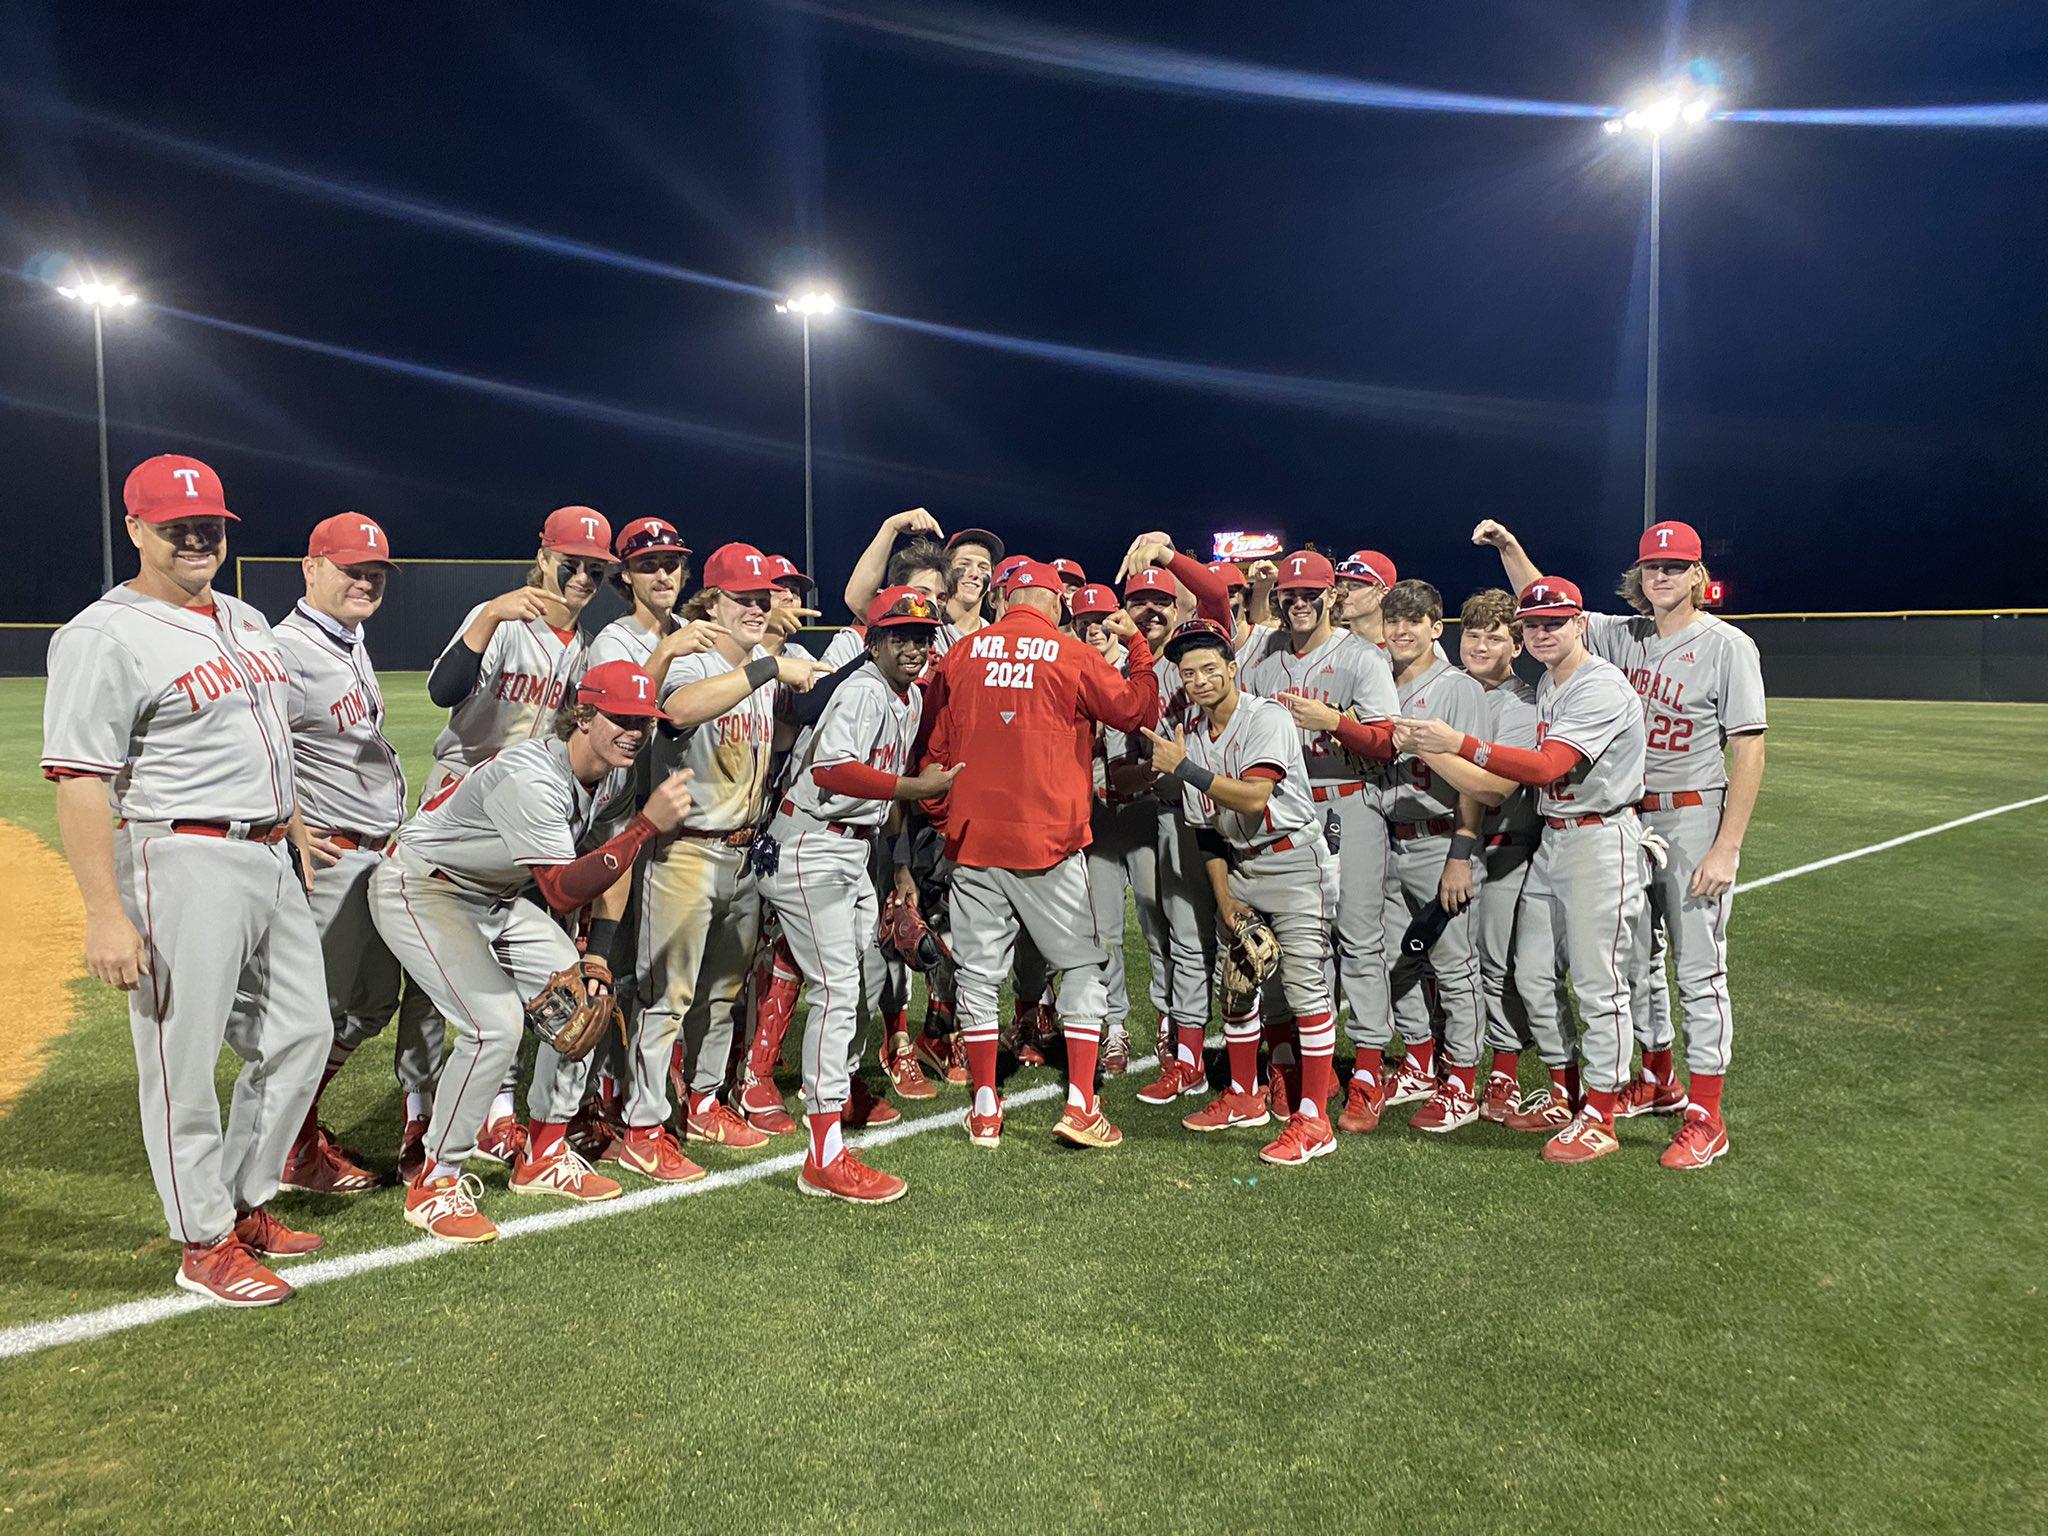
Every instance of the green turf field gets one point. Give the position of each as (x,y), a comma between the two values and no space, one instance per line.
(1837,1328)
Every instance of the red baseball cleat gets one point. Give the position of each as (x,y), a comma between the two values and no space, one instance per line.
(564,1174)
(1546,1110)
(984,1130)
(1701,1141)
(935,1056)
(1364,1100)
(1087,1130)
(1503,1095)
(229,1274)
(1587,1137)
(654,1153)
(760,1103)
(446,1208)
(1227,1111)
(864,1107)
(260,1232)
(1116,1052)
(719,1124)
(502,1141)
(1450,1108)
(905,1076)
(316,1166)
(1646,1096)
(594,1129)
(1176,1080)
(1410,1083)
(412,1149)
(1303,1140)
(847,1178)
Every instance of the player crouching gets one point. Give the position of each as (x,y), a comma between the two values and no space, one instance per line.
(847,771)
(1262,844)
(447,900)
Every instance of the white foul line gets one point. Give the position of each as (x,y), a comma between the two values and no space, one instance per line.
(81,1327)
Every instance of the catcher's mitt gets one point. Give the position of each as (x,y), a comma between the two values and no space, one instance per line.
(1428,927)
(903,932)
(575,1009)
(1247,954)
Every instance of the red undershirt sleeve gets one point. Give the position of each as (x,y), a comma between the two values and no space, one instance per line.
(1210,592)
(1264,771)
(856,781)
(1374,738)
(567,887)
(1551,761)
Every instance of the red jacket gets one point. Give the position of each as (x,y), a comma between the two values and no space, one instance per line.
(1017,701)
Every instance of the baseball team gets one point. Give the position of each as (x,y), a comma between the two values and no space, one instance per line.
(699,823)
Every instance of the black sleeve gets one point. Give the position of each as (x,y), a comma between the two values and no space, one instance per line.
(454,676)
(1211,844)
(807,708)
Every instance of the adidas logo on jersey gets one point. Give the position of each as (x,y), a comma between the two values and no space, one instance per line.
(1688,656)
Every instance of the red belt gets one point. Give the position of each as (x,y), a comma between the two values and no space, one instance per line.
(1321,792)
(739,839)
(1401,831)
(273,833)
(1505,839)
(1677,802)
(1285,845)
(836,828)
(359,840)
(1561,822)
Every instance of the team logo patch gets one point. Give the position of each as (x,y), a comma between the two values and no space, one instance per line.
(1008,715)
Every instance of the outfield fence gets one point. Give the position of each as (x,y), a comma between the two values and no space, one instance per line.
(1976,654)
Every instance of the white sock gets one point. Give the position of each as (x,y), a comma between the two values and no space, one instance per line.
(445,1171)
(419,1106)
(984,1101)
(501,1104)
(1075,1098)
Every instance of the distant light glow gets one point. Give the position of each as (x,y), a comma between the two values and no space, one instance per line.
(1990,114)
(1681,105)
(99,295)
(812,302)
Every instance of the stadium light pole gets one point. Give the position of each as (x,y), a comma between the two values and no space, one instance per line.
(1674,111)
(99,298)
(812,304)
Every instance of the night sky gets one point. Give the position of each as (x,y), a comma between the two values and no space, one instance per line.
(1363,327)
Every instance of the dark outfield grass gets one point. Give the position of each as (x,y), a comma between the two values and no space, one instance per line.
(1837,1328)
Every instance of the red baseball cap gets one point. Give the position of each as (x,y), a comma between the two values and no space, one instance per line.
(1071,572)
(1369,565)
(981,536)
(647,535)
(1154,578)
(171,486)
(580,531)
(1305,570)
(1549,596)
(1186,637)
(903,608)
(619,688)
(786,572)
(1233,577)
(1094,598)
(1003,569)
(1669,541)
(349,538)
(739,568)
(1033,573)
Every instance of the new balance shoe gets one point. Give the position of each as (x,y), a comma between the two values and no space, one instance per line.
(228,1273)
(503,1141)
(719,1124)
(260,1232)
(1081,1129)
(1503,1097)
(563,1174)
(1229,1110)
(446,1208)
(1547,1110)
(1365,1098)
(1701,1141)
(1587,1137)
(1450,1108)
(1176,1080)
(1410,1083)
(654,1153)
(1646,1096)
(847,1178)
(1303,1141)
(984,1130)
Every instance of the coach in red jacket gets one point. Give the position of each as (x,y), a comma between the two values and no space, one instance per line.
(1016,704)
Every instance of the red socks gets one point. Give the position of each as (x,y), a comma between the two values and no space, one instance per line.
(1603,1100)
(1508,1063)
(1573,1089)
(1423,1055)
(1371,1061)
(1462,1077)
(1082,1048)
(1705,1089)
(981,1062)
(544,1138)
(1244,1061)
(1187,1044)
(825,1143)
(1316,1041)
(1657,1066)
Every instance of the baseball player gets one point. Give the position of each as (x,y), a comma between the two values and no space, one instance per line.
(1251,640)
(700,901)
(1513,930)
(167,705)
(511,664)
(1364,578)
(793,592)
(1015,705)
(1702,691)
(1588,769)
(352,796)
(1247,788)
(1315,660)
(848,771)
(554,816)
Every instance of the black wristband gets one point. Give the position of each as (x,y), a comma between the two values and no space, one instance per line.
(1194,775)
(762,669)
(1462,844)
(604,932)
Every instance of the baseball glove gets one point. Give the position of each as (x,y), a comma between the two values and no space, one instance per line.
(903,932)
(1247,954)
(1427,928)
(575,1009)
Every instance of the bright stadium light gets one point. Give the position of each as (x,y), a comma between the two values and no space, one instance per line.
(100,297)
(811,304)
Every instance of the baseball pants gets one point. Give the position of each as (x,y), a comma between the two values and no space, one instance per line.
(1361,956)
(1187,913)
(1296,892)
(700,914)
(1415,867)
(233,959)
(1124,855)
(1695,934)
(1515,943)
(1591,882)
(479,960)
(363,976)
(823,894)
(990,908)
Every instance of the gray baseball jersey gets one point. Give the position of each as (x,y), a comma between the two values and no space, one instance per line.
(524,807)
(1458,699)
(865,722)
(1346,673)
(843,647)
(1598,713)
(1699,687)
(621,640)
(728,755)
(1256,647)
(188,712)
(1259,734)
(528,669)
(1511,721)
(348,774)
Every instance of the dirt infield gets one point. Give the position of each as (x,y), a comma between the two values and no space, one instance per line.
(42,940)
